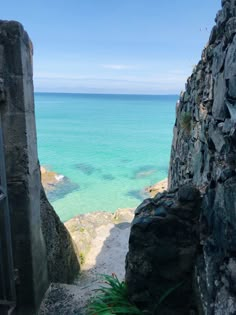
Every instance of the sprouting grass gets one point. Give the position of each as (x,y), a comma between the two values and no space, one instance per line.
(81,258)
(165,295)
(112,299)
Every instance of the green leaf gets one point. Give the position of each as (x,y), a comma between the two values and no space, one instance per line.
(166,294)
(112,299)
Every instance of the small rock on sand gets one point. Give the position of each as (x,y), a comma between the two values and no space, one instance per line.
(157,188)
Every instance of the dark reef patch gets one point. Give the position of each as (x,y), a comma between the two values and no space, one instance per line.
(137,194)
(87,169)
(125,160)
(144,171)
(62,188)
(108,177)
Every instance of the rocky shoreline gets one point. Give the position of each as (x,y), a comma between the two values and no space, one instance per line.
(53,181)
(101,239)
(56,185)
(157,188)
(50,179)
(84,228)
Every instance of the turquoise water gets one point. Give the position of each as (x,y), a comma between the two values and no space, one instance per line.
(109,147)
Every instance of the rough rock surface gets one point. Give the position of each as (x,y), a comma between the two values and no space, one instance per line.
(17,123)
(34,223)
(204,155)
(84,228)
(163,246)
(62,261)
(49,179)
(157,188)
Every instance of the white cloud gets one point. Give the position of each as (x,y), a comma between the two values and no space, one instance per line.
(164,81)
(116,67)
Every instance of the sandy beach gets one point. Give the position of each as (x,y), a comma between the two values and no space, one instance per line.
(102,240)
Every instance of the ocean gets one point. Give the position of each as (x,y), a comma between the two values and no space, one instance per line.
(107,147)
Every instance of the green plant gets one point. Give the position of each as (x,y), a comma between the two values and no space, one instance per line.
(112,299)
(165,295)
(81,258)
(185,121)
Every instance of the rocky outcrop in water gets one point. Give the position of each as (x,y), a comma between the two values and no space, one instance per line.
(204,155)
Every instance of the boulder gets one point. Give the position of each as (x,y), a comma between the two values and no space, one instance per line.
(63,264)
(162,248)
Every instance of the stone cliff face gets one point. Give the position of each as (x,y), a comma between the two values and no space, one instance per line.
(42,249)
(203,155)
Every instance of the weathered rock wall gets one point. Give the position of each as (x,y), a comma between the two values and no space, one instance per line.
(163,246)
(22,170)
(33,259)
(203,155)
(62,253)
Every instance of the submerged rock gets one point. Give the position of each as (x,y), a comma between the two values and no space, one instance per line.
(144,171)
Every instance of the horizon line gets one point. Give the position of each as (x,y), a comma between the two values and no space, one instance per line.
(101,93)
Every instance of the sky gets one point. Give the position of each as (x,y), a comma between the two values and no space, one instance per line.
(114,46)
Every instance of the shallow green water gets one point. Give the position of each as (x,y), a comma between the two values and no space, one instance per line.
(108,146)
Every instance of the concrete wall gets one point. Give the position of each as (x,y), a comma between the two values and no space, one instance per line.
(22,169)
